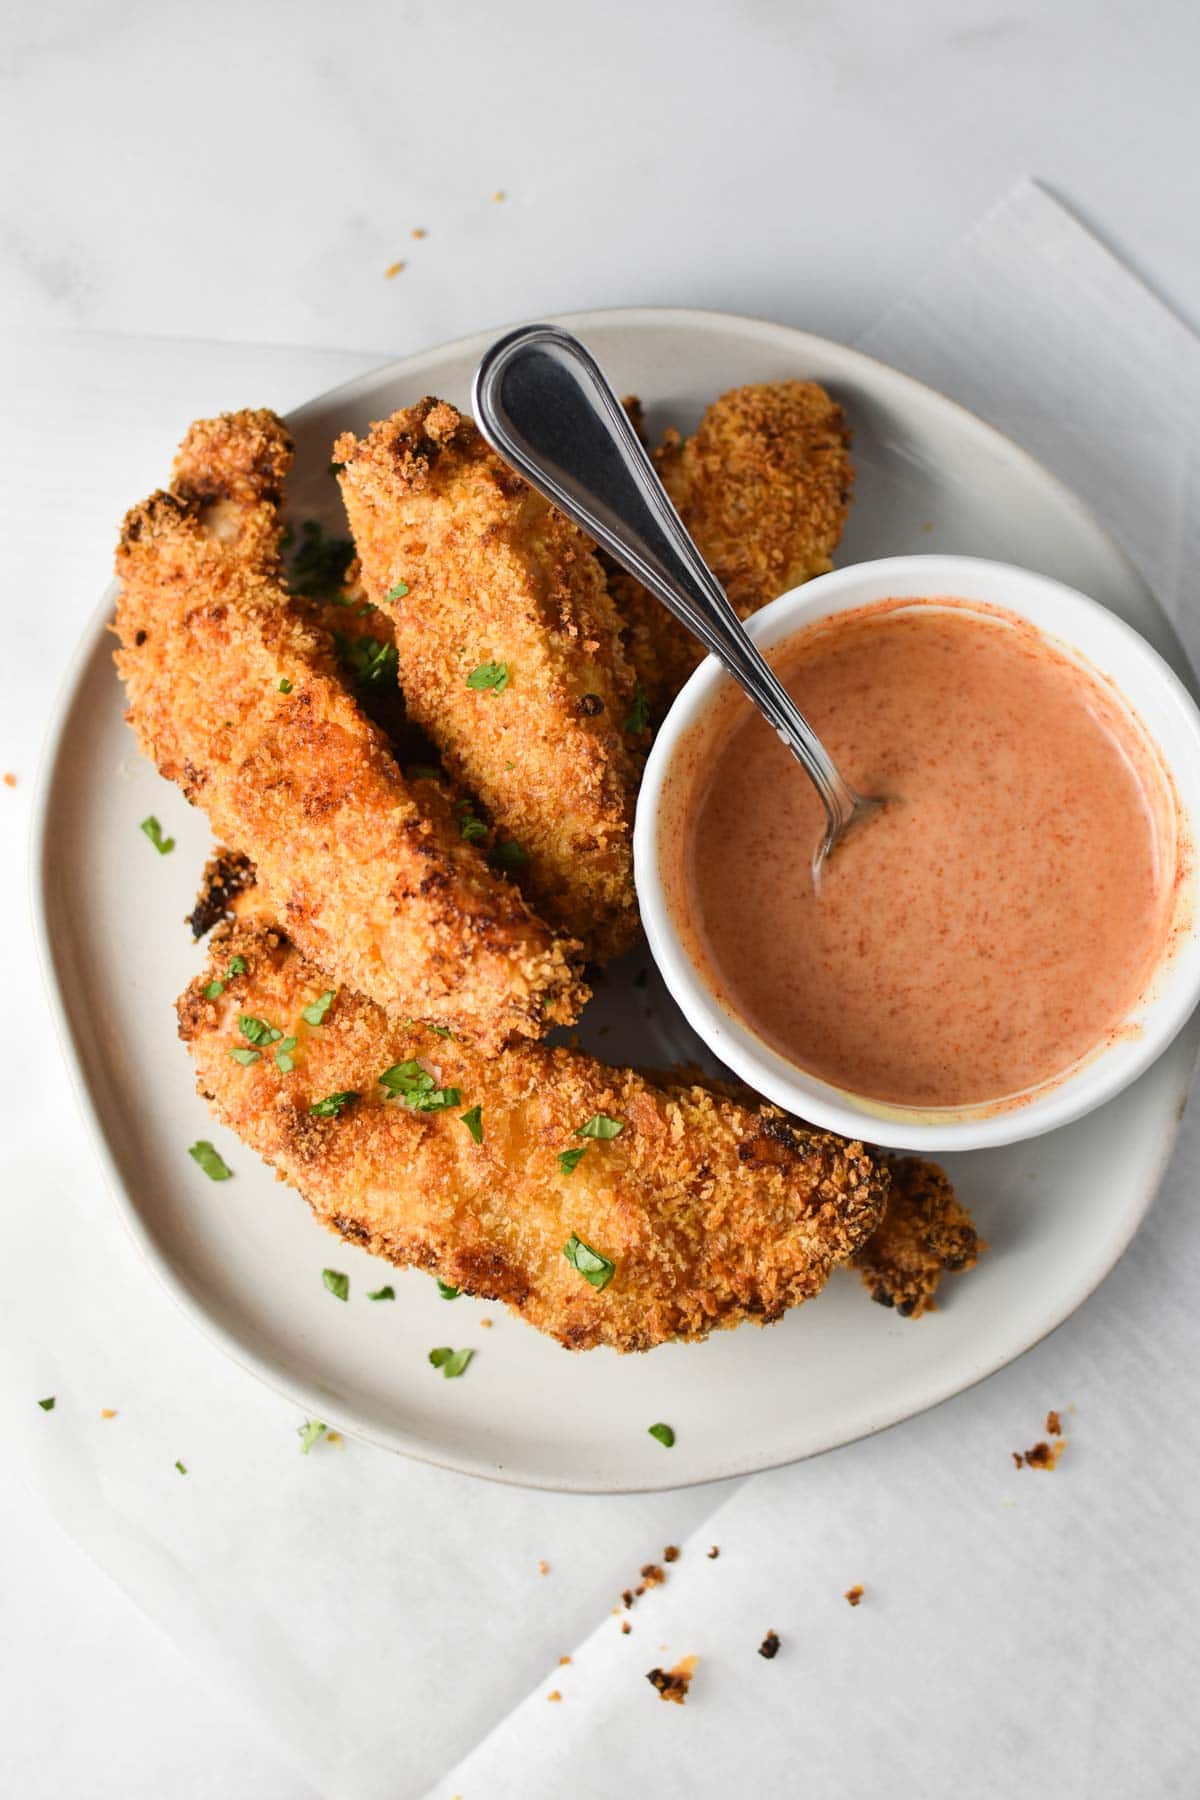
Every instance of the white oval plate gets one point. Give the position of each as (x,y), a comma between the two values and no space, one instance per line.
(244,1258)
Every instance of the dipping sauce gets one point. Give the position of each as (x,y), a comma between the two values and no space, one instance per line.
(995,922)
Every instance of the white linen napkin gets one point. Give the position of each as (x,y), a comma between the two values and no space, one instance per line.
(387,1623)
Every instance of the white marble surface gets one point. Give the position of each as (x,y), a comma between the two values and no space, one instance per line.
(247,173)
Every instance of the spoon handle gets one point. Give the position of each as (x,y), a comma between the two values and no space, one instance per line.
(542,402)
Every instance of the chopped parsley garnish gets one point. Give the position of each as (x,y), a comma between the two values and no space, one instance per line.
(337,1283)
(416,1086)
(446,1289)
(314,1012)
(398,592)
(450,1362)
(320,563)
(333,1104)
(284,1060)
(285,686)
(569,1160)
(383,1293)
(210,1161)
(595,1269)
(237,966)
(601,1126)
(369,661)
(493,675)
(443,1031)
(180,1467)
(241,1055)
(257,1030)
(47,1405)
(638,716)
(214,990)
(473,1121)
(310,1433)
(509,856)
(153,830)
(472,828)
(663,1433)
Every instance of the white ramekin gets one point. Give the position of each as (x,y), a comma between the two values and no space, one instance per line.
(1157,697)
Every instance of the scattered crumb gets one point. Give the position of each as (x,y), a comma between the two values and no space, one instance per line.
(928,525)
(671,1553)
(1053,1424)
(392,270)
(714,1553)
(563,1661)
(108,1412)
(499,195)
(485,1324)
(419,231)
(10,779)
(1042,1456)
(543,1567)
(855,1594)
(554,1694)
(333,1437)
(626,1627)
(673,1684)
(769,1646)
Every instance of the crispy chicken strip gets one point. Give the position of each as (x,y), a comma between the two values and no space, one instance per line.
(510,656)
(763,486)
(925,1233)
(235,694)
(709,1210)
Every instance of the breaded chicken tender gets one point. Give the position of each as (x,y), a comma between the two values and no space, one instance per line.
(683,1211)
(235,694)
(925,1233)
(510,657)
(763,486)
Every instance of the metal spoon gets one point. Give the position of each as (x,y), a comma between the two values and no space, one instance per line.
(542,402)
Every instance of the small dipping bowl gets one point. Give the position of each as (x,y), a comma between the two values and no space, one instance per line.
(699,719)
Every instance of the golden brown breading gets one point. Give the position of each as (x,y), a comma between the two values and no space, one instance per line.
(235,693)
(763,486)
(490,574)
(231,471)
(713,1212)
(924,1234)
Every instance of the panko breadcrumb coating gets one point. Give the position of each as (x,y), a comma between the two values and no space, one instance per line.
(480,574)
(763,486)
(235,694)
(925,1233)
(711,1211)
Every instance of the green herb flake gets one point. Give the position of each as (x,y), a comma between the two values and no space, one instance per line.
(314,1013)
(509,856)
(285,686)
(333,1104)
(493,675)
(442,1031)
(638,716)
(383,1293)
(663,1433)
(398,592)
(237,966)
(471,828)
(450,1362)
(337,1283)
(601,1126)
(48,1404)
(320,563)
(473,1121)
(369,661)
(210,1161)
(214,990)
(241,1055)
(447,1290)
(414,1085)
(258,1031)
(180,1467)
(284,1060)
(310,1433)
(154,831)
(569,1160)
(597,1270)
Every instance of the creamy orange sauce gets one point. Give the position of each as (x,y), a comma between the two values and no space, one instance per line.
(995,923)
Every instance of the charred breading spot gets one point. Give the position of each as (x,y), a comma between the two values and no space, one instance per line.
(139,638)
(673,1684)
(769,1648)
(925,1233)
(226,874)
